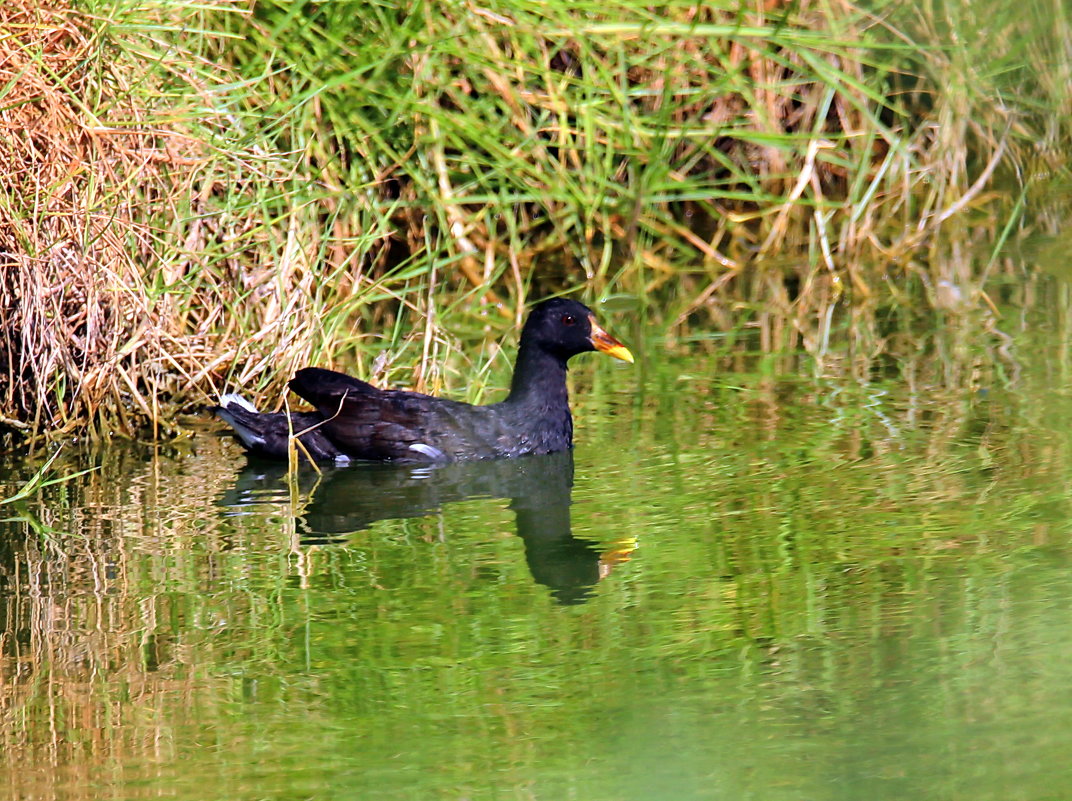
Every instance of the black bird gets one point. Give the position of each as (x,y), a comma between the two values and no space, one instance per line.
(355,420)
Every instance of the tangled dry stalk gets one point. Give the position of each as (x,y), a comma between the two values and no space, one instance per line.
(106,317)
(82,330)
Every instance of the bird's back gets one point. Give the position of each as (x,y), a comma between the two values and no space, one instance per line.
(369,423)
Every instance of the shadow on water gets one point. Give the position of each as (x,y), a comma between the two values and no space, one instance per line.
(342,501)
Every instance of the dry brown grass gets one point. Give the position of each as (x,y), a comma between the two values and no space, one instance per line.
(82,332)
(107,317)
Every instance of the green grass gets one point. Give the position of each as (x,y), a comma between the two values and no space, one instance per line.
(384,186)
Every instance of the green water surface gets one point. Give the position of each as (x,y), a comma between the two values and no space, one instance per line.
(752,584)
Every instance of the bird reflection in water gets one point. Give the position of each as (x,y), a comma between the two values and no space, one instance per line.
(346,500)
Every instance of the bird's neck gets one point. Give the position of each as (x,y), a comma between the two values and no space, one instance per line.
(539,376)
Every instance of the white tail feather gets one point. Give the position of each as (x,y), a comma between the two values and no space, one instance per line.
(237,400)
(249,437)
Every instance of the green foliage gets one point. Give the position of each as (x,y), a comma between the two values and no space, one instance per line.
(385,185)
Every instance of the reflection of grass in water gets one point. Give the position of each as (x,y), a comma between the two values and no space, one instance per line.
(353,183)
(39,480)
(33,487)
(788,541)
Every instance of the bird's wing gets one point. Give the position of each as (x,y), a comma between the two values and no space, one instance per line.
(370,423)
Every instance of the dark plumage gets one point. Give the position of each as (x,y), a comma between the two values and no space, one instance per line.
(355,420)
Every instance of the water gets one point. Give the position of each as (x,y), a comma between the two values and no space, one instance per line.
(752,584)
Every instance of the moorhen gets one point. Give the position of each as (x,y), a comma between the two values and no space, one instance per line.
(355,420)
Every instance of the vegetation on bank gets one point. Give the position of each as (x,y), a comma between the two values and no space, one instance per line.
(200,196)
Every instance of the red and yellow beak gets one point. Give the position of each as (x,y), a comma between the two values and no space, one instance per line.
(605,343)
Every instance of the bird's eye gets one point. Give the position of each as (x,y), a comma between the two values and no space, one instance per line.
(568,319)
